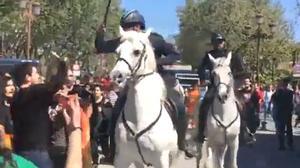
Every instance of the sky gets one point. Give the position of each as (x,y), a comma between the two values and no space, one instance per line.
(160,15)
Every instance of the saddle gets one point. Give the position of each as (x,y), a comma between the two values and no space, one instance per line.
(172,110)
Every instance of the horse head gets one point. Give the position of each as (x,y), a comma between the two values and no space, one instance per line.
(222,76)
(136,56)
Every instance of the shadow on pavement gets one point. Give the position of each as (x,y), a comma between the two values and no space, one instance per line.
(265,154)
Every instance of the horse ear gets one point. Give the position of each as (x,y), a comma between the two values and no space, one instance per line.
(122,32)
(228,59)
(148,32)
(212,59)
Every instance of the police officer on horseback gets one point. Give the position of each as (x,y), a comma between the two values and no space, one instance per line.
(204,69)
(165,54)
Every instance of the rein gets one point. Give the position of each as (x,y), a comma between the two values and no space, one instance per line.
(137,135)
(225,127)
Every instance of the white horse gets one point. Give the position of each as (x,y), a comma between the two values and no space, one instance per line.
(223,120)
(144,134)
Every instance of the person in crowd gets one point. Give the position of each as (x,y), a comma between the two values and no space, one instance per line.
(192,100)
(8,90)
(102,112)
(105,82)
(30,112)
(250,113)
(260,92)
(7,157)
(58,147)
(267,98)
(112,93)
(283,98)
(297,104)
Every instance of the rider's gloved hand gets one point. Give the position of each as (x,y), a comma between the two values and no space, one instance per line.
(101,29)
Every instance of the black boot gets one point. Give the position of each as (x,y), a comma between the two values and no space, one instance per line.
(203,110)
(181,129)
(202,122)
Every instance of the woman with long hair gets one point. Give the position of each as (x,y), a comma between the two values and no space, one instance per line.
(7,158)
(7,89)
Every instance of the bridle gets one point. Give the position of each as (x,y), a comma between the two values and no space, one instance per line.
(228,86)
(133,70)
(219,122)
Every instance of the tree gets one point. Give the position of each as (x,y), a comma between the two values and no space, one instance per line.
(65,26)
(232,18)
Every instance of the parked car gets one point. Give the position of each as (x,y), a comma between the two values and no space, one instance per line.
(8,64)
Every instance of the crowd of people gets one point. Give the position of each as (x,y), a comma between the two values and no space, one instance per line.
(281,102)
(37,123)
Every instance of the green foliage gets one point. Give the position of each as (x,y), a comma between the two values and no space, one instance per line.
(199,18)
(67,27)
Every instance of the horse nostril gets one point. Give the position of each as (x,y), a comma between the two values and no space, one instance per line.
(120,76)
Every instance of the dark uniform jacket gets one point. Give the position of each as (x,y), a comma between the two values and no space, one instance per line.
(161,47)
(237,65)
(283,98)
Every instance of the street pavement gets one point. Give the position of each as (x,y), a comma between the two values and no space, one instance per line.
(263,154)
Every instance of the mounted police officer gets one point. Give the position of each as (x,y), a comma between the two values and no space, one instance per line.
(238,71)
(165,54)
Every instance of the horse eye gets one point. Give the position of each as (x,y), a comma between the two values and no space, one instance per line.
(136,52)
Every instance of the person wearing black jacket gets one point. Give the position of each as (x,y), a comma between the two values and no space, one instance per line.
(204,69)
(30,112)
(133,20)
(283,100)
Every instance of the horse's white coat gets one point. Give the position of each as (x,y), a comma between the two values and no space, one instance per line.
(217,144)
(143,104)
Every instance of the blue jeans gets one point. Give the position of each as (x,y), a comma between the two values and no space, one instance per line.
(39,157)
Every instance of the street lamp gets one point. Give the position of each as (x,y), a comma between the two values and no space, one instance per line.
(261,35)
(259,21)
(273,68)
(31,9)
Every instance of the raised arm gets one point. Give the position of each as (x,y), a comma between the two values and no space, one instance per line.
(103,46)
(161,47)
(57,80)
(72,117)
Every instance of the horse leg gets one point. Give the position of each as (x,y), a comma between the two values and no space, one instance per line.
(162,160)
(233,150)
(218,154)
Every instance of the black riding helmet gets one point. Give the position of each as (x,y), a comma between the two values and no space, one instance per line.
(217,38)
(131,18)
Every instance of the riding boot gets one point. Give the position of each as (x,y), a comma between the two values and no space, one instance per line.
(203,111)
(202,121)
(181,129)
(115,115)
